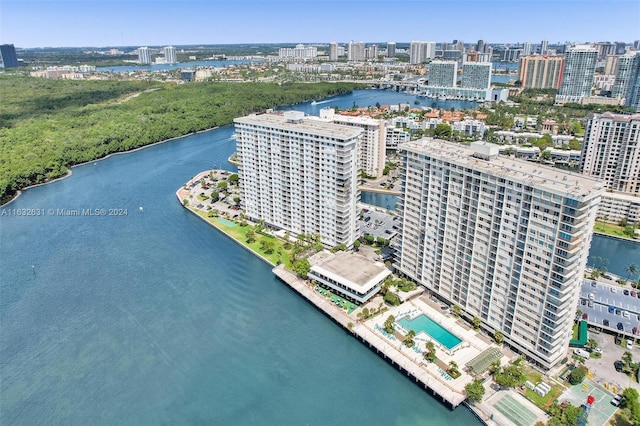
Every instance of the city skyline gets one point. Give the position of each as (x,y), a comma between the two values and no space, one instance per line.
(102,23)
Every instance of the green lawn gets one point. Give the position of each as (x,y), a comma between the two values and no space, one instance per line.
(238,233)
(544,402)
(610,229)
(574,336)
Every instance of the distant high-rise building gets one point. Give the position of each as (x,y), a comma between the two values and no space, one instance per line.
(371,52)
(621,48)
(443,73)
(372,147)
(356,51)
(170,56)
(636,45)
(627,81)
(420,51)
(540,71)
(526,49)
(610,65)
(480,46)
(299,52)
(300,174)
(577,76)
(476,75)
(391,49)
(8,57)
(333,51)
(544,46)
(502,239)
(144,56)
(611,151)
(604,49)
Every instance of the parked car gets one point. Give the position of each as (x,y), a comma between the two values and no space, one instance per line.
(620,326)
(583,302)
(616,400)
(591,296)
(581,353)
(607,276)
(590,304)
(585,316)
(597,351)
(611,309)
(605,322)
(612,290)
(618,365)
(618,311)
(625,314)
(633,293)
(625,292)
(594,284)
(629,345)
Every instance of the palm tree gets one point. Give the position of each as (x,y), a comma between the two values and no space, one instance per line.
(631,270)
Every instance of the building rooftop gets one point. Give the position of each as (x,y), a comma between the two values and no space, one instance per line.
(305,125)
(525,172)
(354,271)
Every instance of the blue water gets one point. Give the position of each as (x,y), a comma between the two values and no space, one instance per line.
(386,201)
(369,98)
(431,328)
(157,318)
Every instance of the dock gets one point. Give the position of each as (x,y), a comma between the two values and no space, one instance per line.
(394,355)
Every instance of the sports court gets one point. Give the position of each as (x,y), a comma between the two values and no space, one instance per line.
(514,411)
(601,411)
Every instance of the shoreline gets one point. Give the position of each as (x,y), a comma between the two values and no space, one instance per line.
(379,190)
(70,168)
(180,197)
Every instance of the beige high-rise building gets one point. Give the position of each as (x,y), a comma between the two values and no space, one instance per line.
(540,71)
(611,151)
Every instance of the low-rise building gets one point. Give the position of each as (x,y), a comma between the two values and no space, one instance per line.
(616,207)
(352,276)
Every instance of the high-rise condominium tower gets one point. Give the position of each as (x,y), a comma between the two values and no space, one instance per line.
(627,82)
(611,151)
(391,49)
(577,77)
(170,56)
(144,55)
(299,174)
(540,71)
(420,51)
(333,51)
(501,238)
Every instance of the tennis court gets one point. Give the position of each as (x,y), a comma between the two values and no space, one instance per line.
(601,411)
(514,411)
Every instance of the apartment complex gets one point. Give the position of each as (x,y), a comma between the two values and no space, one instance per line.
(372,147)
(300,174)
(611,151)
(499,237)
(333,51)
(170,56)
(299,52)
(391,49)
(627,80)
(443,73)
(476,75)
(578,73)
(356,51)
(144,56)
(540,71)
(420,51)
(616,207)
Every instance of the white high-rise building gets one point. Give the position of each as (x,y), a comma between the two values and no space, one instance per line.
(170,56)
(300,174)
(544,47)
(144,55)
(299,52)
(476,75)
(577,77)
(371,52)
(333,51)
(611,151)
(421,51)
(526,49)
(627,81)
(443,73)
(505,239)
(356,51)
(372,148)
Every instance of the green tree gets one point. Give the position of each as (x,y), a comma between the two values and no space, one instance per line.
(430,353)
(476,323)
(631,270)
(498,337)
(511,375)
(215,196)
(302,267)
(234,178)
(223,184)
(388,324)
(356,245)
(592,344)
(630,403)
(251,236)
(475,391)
(236,200)
(577,375)
(457,310)
(408,339)
(391,298)
(443,131)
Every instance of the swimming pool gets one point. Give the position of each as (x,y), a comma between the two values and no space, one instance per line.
(226,222)
(433,329)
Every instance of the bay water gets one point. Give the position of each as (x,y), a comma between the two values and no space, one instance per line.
(150,316)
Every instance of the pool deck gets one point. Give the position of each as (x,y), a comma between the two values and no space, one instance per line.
(428,375)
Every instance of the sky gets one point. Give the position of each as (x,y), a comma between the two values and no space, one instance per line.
(110,23)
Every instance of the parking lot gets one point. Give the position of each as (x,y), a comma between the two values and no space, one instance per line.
(377,222)
(603,369)
(611,307)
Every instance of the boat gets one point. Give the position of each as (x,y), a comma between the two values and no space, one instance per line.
(314,102)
